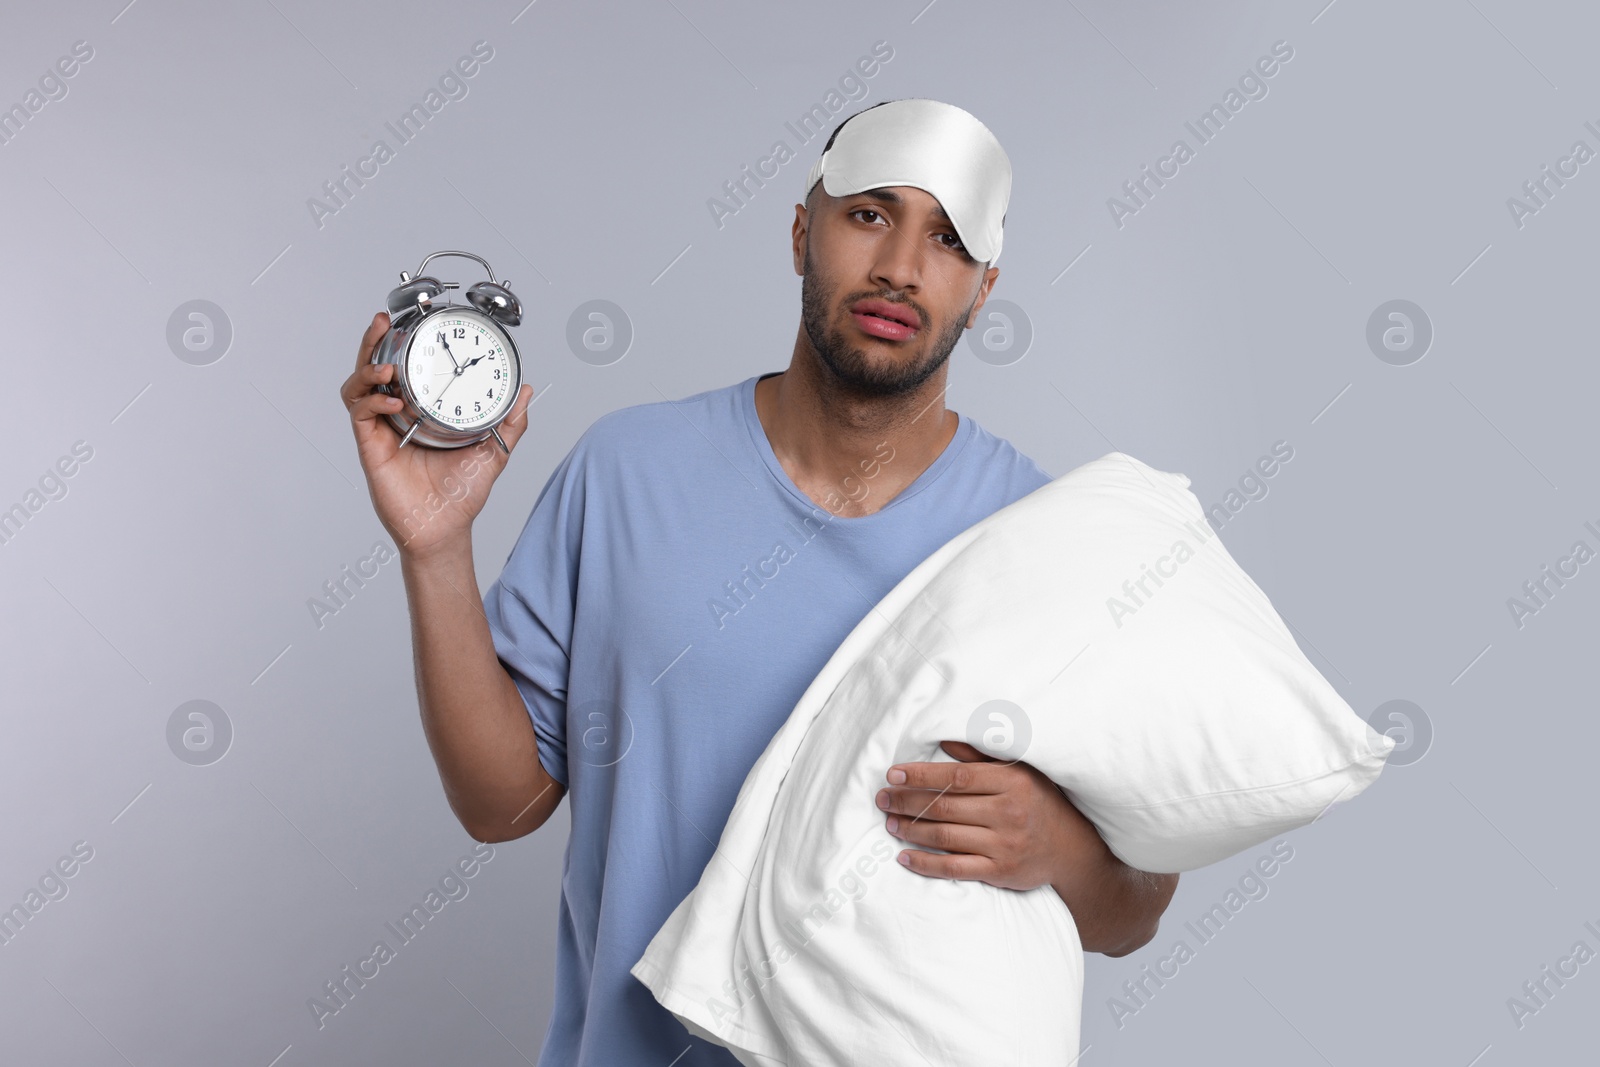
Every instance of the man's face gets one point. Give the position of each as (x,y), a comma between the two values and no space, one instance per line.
(893,245)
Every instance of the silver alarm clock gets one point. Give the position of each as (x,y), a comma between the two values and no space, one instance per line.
(456,367)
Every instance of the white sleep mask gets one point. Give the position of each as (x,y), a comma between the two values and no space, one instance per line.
(936,147)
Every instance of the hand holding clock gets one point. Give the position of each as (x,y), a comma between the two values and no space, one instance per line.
(406,484)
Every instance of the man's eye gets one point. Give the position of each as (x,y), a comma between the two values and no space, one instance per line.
(954,243)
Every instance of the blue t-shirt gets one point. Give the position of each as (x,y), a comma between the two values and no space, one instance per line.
(662,612)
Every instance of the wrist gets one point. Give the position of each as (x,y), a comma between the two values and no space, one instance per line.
(450,552)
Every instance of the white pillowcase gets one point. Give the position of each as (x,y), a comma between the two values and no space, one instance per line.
(1176,710)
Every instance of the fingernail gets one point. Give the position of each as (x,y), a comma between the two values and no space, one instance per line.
(904,858)
(897,776)
(894,824)
(883,799)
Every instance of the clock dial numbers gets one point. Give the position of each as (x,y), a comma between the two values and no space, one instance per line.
(461,371)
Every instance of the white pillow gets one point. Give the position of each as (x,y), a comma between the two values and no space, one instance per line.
(1176,711)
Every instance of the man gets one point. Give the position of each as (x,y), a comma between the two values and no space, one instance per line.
(691,565)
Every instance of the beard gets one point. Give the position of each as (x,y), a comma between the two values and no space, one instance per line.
(851,365)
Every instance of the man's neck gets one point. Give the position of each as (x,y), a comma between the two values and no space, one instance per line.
(852,454)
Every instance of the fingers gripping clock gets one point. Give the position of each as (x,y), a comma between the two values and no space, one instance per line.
(457,369)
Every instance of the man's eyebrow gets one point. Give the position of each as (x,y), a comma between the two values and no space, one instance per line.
(887,196)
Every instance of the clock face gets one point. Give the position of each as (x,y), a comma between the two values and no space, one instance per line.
(461,370)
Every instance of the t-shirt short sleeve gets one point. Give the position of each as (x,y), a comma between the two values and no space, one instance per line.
(531,607)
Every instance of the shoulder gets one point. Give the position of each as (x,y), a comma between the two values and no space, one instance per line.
(654,432)
(1010,472)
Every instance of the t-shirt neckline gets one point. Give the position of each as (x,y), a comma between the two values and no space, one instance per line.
(763,447)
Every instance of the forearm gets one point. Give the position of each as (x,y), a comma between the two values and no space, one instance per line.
(1128,908)
(472,715)
(1117,907)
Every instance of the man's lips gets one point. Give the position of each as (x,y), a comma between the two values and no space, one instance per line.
(891,322)
(885,310)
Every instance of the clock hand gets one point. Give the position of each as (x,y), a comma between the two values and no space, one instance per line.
(453,377)
(449,353)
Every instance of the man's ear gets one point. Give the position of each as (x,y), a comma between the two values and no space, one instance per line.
(798,236)
(990,276)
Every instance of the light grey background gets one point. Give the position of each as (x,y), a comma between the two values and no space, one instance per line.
(1229,313)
